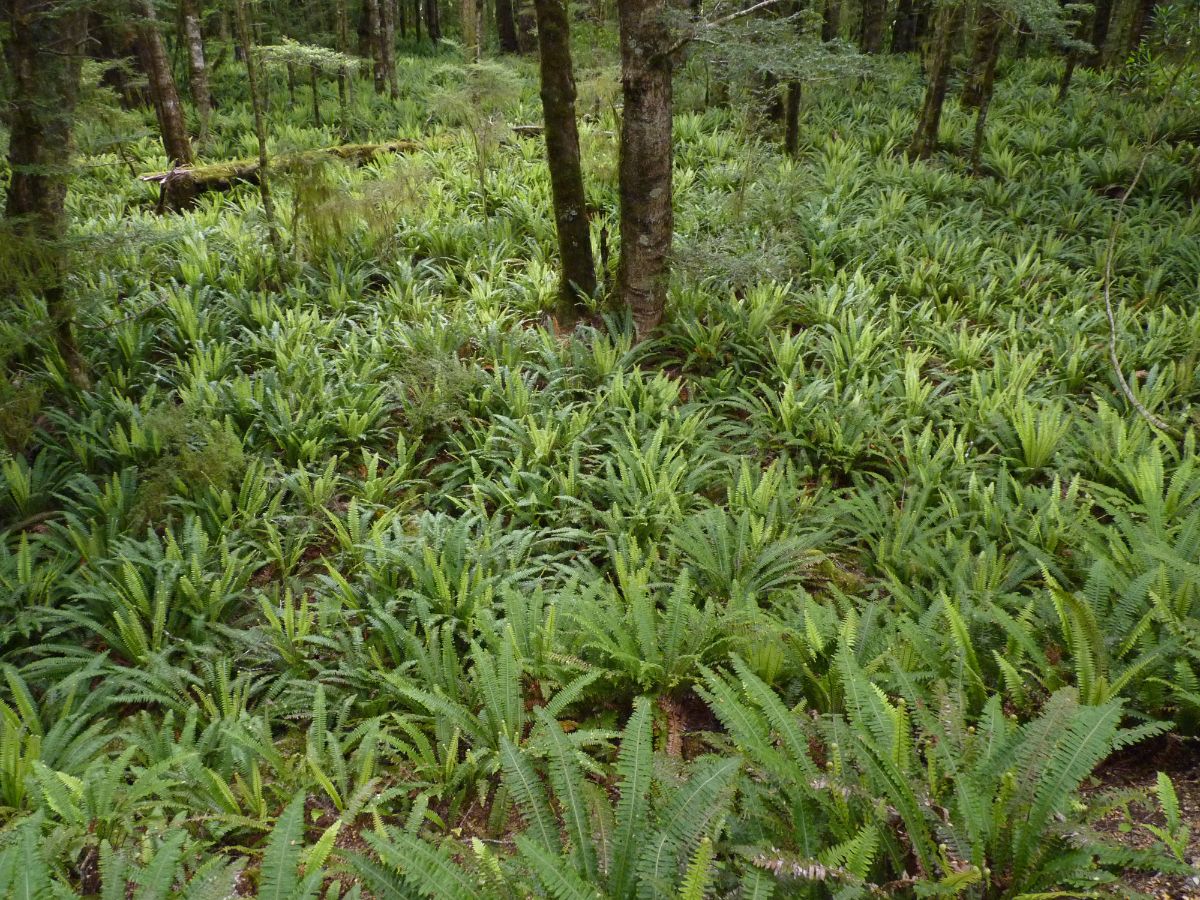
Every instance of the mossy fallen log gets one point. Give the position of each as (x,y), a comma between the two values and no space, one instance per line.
(179,187)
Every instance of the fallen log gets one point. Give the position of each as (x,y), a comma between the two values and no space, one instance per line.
(179,187)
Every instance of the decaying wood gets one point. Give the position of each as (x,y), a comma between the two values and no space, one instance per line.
(180,186)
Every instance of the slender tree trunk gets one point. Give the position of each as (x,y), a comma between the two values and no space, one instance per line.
(345,82)
(831,20)
(871,28)
(1101,20)
(167,108)
(791,119)
(417,21)
(315,88)
(506,27)
(562,158)
(925,139)
(433,20)
(984,56)
(197,67)
(375,36)
(43,52)
(647,217)
(1143,15)
(387,45)
(401,18)
(904,31)
(260,132)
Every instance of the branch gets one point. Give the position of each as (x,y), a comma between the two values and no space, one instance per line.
(717,23)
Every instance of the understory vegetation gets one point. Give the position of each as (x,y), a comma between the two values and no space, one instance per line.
(356,580)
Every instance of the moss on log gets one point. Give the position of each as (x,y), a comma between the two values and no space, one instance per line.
(179,187)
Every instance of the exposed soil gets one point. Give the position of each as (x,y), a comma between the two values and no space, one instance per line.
(1137,770)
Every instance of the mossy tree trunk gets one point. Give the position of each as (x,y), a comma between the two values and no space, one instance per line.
(647,217)
(1101,21)
(433,20)
(387,46)
(1139,24)
(43,54)
(167,108)
(562,157)
(984,55)
(925,138)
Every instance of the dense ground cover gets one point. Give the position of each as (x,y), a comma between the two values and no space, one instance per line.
(843,585)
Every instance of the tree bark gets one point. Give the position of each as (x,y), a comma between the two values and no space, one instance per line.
(831,20)
(984,56)
(647,217)
(871,27)
(387,45)
(375,39)
(791,119)
(1101,19)
(433,20)
(43,54)
(1143,15)
(167,108)
(562,158)
(925,138)
(197,67)
(904,30)
(506,26)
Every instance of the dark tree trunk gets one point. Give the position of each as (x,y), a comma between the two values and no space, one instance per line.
(984,56)
(526,27)
(647,217)
(791,119)
(345,81)
(506,27)
(925,139)
(387,45)
(260,131)
(1101,19)
(562,157)
(197,66)
(43,53)
(1143,15)
(831,20)
(871,28)
(433,20)
(904,31)
(417,21)
(401,18)
(315,88)
(167,108)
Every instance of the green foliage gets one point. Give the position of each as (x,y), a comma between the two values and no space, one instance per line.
(359,584)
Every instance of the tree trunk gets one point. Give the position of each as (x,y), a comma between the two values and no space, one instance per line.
(791,119)
(387,45)
(417,21)
(43,52)
(345,81)
(984,56)
(925,139)
(646,158)
(1143,15)
(904,30)
(1101,20)
(831,23)
(562,157)
(506,27)
(260,132)
(315,87)
(167,108)
(871,27)
(375,39)
(433,20)
(197,67)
